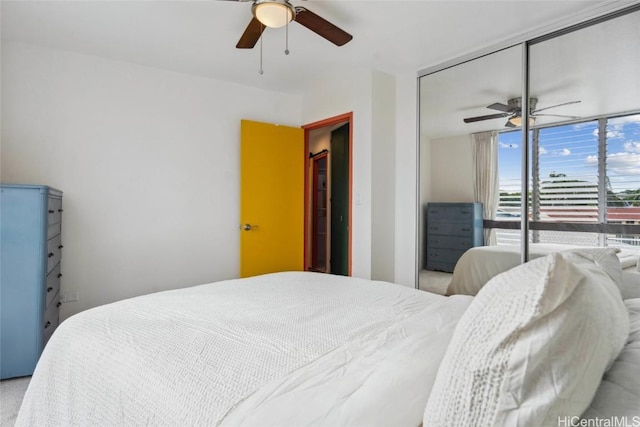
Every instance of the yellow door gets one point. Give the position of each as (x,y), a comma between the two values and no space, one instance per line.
(271,198)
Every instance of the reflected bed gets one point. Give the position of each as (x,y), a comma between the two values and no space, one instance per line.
(478,265)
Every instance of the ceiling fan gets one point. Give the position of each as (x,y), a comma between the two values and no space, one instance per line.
(278,13)
(513,110)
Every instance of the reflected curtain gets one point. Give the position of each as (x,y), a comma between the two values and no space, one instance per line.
(485,164)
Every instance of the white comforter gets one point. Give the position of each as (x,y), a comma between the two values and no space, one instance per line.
(280,349)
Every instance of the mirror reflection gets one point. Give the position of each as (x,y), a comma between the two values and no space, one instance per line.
(583,153)
(462,110)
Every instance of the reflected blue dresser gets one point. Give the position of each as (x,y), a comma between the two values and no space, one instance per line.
(31,248)
(452,228)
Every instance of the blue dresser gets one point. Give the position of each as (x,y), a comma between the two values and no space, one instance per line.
(31,248)
(452,228)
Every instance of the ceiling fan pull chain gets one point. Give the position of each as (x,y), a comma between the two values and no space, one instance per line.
(286,47)
(261,71)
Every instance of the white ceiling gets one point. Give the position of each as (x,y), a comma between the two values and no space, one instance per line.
(199,37)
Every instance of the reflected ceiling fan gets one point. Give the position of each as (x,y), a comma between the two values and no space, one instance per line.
(278,13)
(513,110)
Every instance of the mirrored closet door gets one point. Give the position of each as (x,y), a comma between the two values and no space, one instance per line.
(462,109)
(575,179)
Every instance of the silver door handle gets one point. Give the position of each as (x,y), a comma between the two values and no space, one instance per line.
(248,227)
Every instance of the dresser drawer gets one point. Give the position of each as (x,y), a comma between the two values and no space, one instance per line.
(446,241)
(446,255)
(450,214)
(54,210)
(54,246)
(54,230)
(452,229)
(449,228)
(53,284)
(51,319)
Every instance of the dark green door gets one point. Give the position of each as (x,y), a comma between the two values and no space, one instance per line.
(340,201)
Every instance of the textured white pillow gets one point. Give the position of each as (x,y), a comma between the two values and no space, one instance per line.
(531,347)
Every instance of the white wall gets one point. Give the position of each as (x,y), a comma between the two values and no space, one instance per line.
(451,169)
(337,93)
(424,196)
(148,161)
(406,185)
(383,177)
(320,139)
(370,95)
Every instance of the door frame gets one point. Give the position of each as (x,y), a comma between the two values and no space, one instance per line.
(348,118)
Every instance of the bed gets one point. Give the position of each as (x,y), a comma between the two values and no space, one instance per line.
(478,265)
(294,349)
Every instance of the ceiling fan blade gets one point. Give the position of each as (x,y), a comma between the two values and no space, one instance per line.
(501,107)
(509,124)
(554,106)
(487,117)
(557,115)
(251,35)
(322,27)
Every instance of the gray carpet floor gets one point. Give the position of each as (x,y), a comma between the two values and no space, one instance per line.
(11,394)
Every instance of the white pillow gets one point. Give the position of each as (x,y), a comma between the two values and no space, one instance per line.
(619,392)
(531,347)
(606,258)
(630,285)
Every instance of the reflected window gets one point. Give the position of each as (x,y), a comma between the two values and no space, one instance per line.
(568,185)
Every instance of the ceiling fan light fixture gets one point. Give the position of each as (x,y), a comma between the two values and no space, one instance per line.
(517,120)
(273,13)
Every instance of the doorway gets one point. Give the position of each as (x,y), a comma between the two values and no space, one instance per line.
(328,195)
(319,211)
